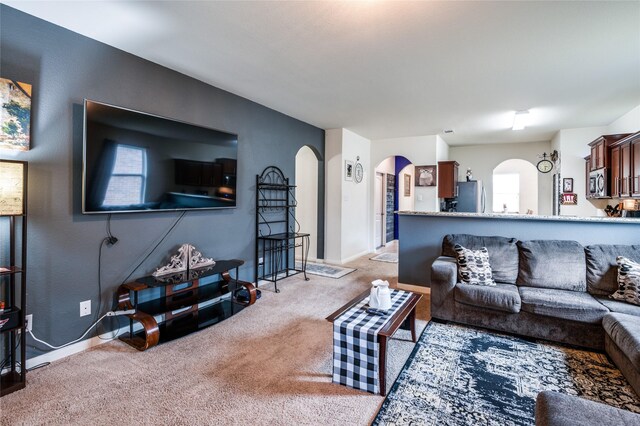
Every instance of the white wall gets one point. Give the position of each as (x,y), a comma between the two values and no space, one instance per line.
(628,123)
(307,197)
(387,166)
(484,158)
(406,203)
(334,176)
(347,220)
(528,183)
(572,144)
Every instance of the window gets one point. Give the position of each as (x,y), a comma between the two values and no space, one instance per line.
(506,192)
(128,178)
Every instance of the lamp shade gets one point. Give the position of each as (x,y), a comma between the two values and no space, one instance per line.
(12,187)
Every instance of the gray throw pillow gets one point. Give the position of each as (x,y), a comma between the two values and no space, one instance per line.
(628,281)
(473,266)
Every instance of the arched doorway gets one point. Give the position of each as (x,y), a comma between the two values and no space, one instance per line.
(393,190)
(515,187)
(307,183)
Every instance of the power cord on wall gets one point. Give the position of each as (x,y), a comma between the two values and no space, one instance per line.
(108,314)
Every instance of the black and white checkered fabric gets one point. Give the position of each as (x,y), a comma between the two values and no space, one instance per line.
(355,347)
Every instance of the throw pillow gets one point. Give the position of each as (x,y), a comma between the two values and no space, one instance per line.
(473,266)
(628,281)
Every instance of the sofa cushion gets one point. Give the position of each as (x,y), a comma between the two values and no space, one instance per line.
(628,281)
(501,297)
(473,266)
(552,264)
(503,253)
(624,330)
(602,269)
(616,306)
(558,409)
(566,304)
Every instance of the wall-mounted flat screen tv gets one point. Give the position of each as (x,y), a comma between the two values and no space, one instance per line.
(139,162)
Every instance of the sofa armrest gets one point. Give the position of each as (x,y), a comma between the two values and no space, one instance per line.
(444,276)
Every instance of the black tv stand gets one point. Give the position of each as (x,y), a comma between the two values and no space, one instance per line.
(185,306)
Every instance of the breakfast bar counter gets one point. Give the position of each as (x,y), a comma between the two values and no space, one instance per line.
(420,234)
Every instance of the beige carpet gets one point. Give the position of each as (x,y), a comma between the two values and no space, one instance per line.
(270,364)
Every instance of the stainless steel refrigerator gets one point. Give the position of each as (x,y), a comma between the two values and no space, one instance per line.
(471,197)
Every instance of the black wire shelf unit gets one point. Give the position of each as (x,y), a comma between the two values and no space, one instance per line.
(278,235)
(13,290)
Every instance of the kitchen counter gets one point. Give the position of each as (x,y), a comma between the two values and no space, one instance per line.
(524,216)
(421,233)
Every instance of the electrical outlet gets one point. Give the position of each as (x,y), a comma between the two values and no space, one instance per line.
(85,308)
(29,322)
(260,260)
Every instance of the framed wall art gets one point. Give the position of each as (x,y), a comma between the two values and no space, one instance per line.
(15,115)
(348,170)
(426,175)
(407,185)
(567,185)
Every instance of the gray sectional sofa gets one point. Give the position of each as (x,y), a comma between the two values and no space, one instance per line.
(547,289)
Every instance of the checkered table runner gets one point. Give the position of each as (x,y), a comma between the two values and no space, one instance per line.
(355,344)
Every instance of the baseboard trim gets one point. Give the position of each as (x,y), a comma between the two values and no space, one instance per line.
(58,354)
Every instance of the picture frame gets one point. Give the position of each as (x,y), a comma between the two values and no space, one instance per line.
(567,185)
(15,118)
(348,170)
(407,185)
(569,199)
(426,175)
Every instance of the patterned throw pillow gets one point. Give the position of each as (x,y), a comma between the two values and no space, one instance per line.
(473,266)
(628,281)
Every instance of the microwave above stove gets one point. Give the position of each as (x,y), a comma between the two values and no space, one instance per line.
(598,186)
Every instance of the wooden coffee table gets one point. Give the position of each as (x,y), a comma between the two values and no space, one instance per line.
(407,312)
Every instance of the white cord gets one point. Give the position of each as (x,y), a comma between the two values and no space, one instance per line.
(75,341)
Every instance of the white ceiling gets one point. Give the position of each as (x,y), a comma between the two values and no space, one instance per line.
(391,69)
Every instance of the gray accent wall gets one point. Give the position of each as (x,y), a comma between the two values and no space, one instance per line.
(64,68)
(420,240)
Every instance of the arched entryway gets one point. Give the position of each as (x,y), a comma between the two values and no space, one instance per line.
(393,190)
(515,187)
(307,196)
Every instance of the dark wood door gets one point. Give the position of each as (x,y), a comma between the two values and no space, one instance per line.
(615,171)
(587,176)
(600,160)
(594,158)
(635,167)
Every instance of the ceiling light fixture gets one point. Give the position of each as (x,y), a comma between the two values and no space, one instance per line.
(520,120)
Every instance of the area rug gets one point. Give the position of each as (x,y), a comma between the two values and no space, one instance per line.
(460,375)
(386,257)
(324,270)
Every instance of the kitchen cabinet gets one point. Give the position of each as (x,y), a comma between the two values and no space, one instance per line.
(448,179)
(625,167)
(600,150)
(615,172)
(635,165)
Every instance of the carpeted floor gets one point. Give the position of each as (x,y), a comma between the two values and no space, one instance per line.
(461,375)
(268,365)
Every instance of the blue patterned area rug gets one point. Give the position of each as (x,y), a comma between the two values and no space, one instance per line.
(461,375)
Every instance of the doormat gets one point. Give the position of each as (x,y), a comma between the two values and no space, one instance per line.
(461,375)
(386,257)
(324,270)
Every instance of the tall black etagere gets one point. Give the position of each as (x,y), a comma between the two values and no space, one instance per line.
(277,230)
(13,271)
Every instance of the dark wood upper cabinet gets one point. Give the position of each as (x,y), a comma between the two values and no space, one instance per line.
(600,149)
(635,165)
(625,166)
(615,172)
(448,179)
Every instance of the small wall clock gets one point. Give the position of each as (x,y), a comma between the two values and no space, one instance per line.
(544,165)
